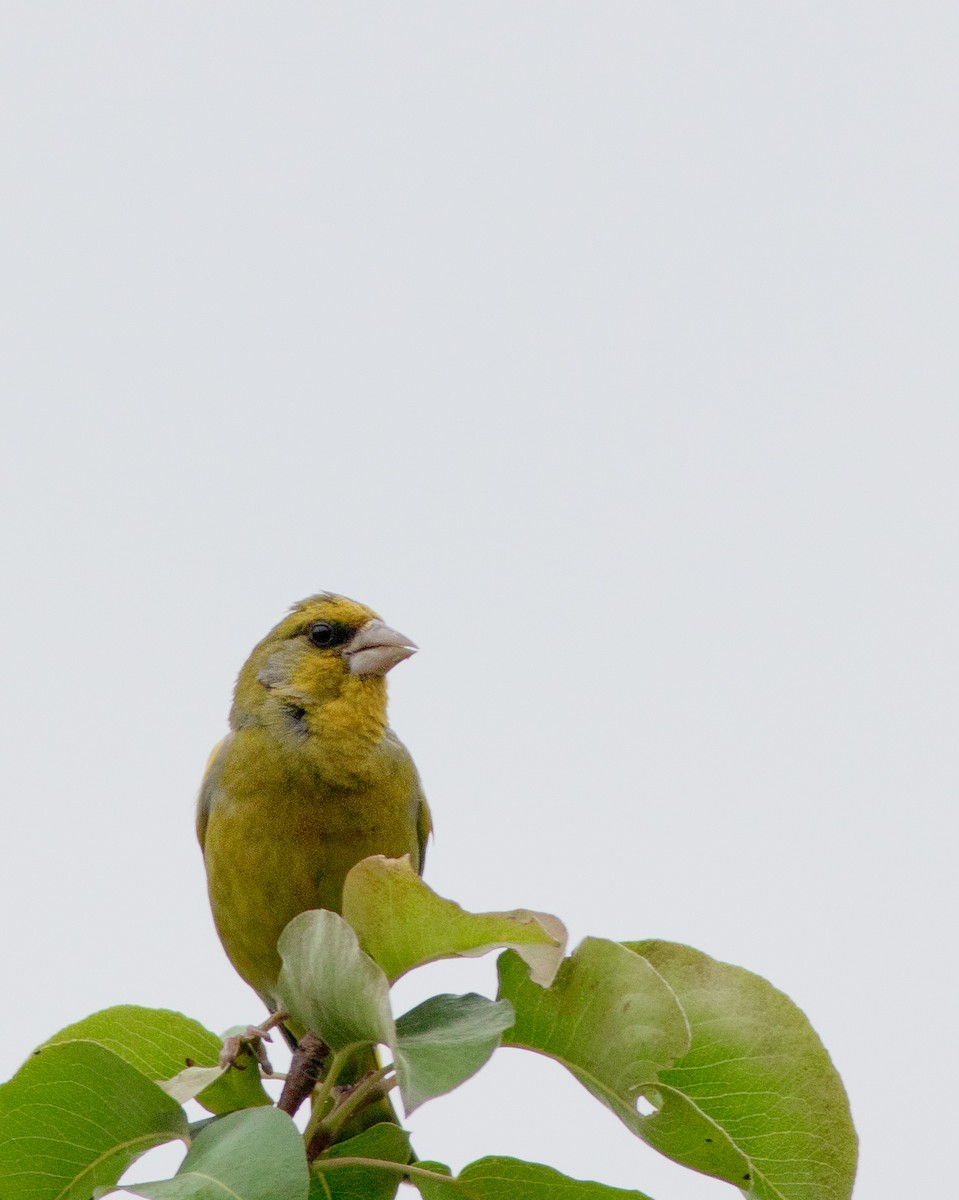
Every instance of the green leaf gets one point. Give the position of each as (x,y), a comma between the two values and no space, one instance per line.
(609,1017)
(188,1084)
(756,1079)
(402,924)
(445,1040)
(329,986)
(257,1154)
(221,1090)
(163,1044)
(74,1117)
(386,1143)
(157,1041)
(239,1086)
(511,1179)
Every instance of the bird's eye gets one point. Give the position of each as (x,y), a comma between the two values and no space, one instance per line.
(321,633)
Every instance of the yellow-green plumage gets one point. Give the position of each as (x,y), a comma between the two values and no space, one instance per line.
(310,780)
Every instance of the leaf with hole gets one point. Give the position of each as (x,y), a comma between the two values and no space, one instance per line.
(756,1079)
(609,1017)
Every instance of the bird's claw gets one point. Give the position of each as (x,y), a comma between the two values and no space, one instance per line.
(251,1042)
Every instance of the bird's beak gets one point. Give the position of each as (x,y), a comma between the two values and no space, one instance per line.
(375,648)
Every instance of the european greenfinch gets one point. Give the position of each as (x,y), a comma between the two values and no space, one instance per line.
(310,780)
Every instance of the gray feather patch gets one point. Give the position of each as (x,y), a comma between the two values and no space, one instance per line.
(278,668)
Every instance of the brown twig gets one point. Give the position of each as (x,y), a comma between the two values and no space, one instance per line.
(309,1058)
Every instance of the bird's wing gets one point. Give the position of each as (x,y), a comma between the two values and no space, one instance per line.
(424,826)
(211,777)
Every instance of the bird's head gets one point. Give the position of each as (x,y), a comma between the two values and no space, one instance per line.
(321,671)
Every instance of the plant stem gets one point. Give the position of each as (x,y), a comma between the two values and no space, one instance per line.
(372,1087)
(322,1130)
(329,1164)
(322,1094)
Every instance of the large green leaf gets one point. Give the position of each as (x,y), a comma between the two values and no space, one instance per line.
(157,1041)
(402,924)
(253,1155)
(329,986)
(756,1078)
(445,1040)
(609,1017)
(511,1179)
(74,1117)
(383,1143)
(163,1044)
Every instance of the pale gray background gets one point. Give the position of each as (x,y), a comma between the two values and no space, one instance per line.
(608,350)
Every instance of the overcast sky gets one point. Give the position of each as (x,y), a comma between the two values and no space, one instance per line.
(606,349)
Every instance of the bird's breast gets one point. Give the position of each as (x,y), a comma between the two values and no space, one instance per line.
(281,840)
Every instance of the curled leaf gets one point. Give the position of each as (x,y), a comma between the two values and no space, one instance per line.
(402,923)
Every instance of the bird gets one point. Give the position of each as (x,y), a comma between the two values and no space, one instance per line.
(310,780)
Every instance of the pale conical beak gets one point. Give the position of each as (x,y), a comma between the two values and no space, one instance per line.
(375,648)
